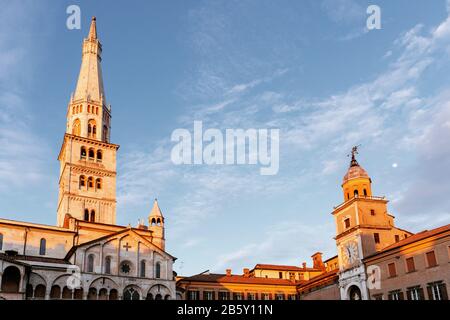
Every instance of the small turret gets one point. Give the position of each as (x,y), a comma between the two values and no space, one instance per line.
(356,182)
(156,225)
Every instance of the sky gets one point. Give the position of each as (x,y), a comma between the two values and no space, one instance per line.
(311,69)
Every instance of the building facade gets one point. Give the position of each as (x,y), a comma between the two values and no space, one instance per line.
(86,255)
(263,282)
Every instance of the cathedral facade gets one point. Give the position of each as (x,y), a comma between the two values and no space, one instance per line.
(86,255)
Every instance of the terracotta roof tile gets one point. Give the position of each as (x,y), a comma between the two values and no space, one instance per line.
(223,278)
(282,267)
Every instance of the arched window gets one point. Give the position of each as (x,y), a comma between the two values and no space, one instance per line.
(356,193)
(99,156)
(113,294)
(365,193)
(90,263)
(158,221)
(92,128)
(91,154)
(92,216)
(73,110)
(10,279)
(98,183)
(96,110)
(76,127)
(42,247)
(131,294)
(86,215)
(142,271)
(67,293)
(1,241)
(89,109)
(82,182)
(158,270)
(153,221)
(108,265)
(83,153)
(39,292)
(90,182)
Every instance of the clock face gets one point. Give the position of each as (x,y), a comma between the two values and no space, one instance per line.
(350,253)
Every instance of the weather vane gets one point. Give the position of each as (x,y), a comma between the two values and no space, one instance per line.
(354,151)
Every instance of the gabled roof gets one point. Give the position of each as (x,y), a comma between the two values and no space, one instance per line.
(112,235)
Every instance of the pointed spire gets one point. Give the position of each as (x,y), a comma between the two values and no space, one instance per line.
(93,29)
(156,211)
(90,80)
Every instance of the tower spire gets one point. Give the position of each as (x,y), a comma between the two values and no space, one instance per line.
(90,80)
(93,29)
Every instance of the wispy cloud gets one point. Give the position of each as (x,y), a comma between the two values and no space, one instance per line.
(21,148)
(284,243)
(389,112)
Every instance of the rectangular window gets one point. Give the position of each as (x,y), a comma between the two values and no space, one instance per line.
(292,297)
(251,296)
(223,295)
(392,270)
(397,238)
(415,293)
(437,291)
(238,296)
(193,295)
(431,259)
(280,275)
(376,236)
(395,295)
(347,223)
(279,296)
(410,266)
(265,296)
(378,296)
(372,212)
(208,295)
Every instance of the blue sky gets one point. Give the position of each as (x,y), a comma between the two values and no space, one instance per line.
(308,68)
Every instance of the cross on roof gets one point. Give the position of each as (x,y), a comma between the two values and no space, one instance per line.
(127,246)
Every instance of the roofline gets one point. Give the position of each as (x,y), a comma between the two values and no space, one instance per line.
(36,225)
(387,251)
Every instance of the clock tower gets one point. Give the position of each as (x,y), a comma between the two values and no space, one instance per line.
(363,227)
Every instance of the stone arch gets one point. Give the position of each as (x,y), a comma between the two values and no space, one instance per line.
(132,292)
(76,127)
(37,279)
(103,282)
(11,279)
(159,292)
(353,292)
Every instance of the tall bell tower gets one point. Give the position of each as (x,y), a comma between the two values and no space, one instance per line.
(87,182)
(363,227)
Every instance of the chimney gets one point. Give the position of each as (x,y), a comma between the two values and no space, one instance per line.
(317,261)
(228,272)
(246,272)
(304,265)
